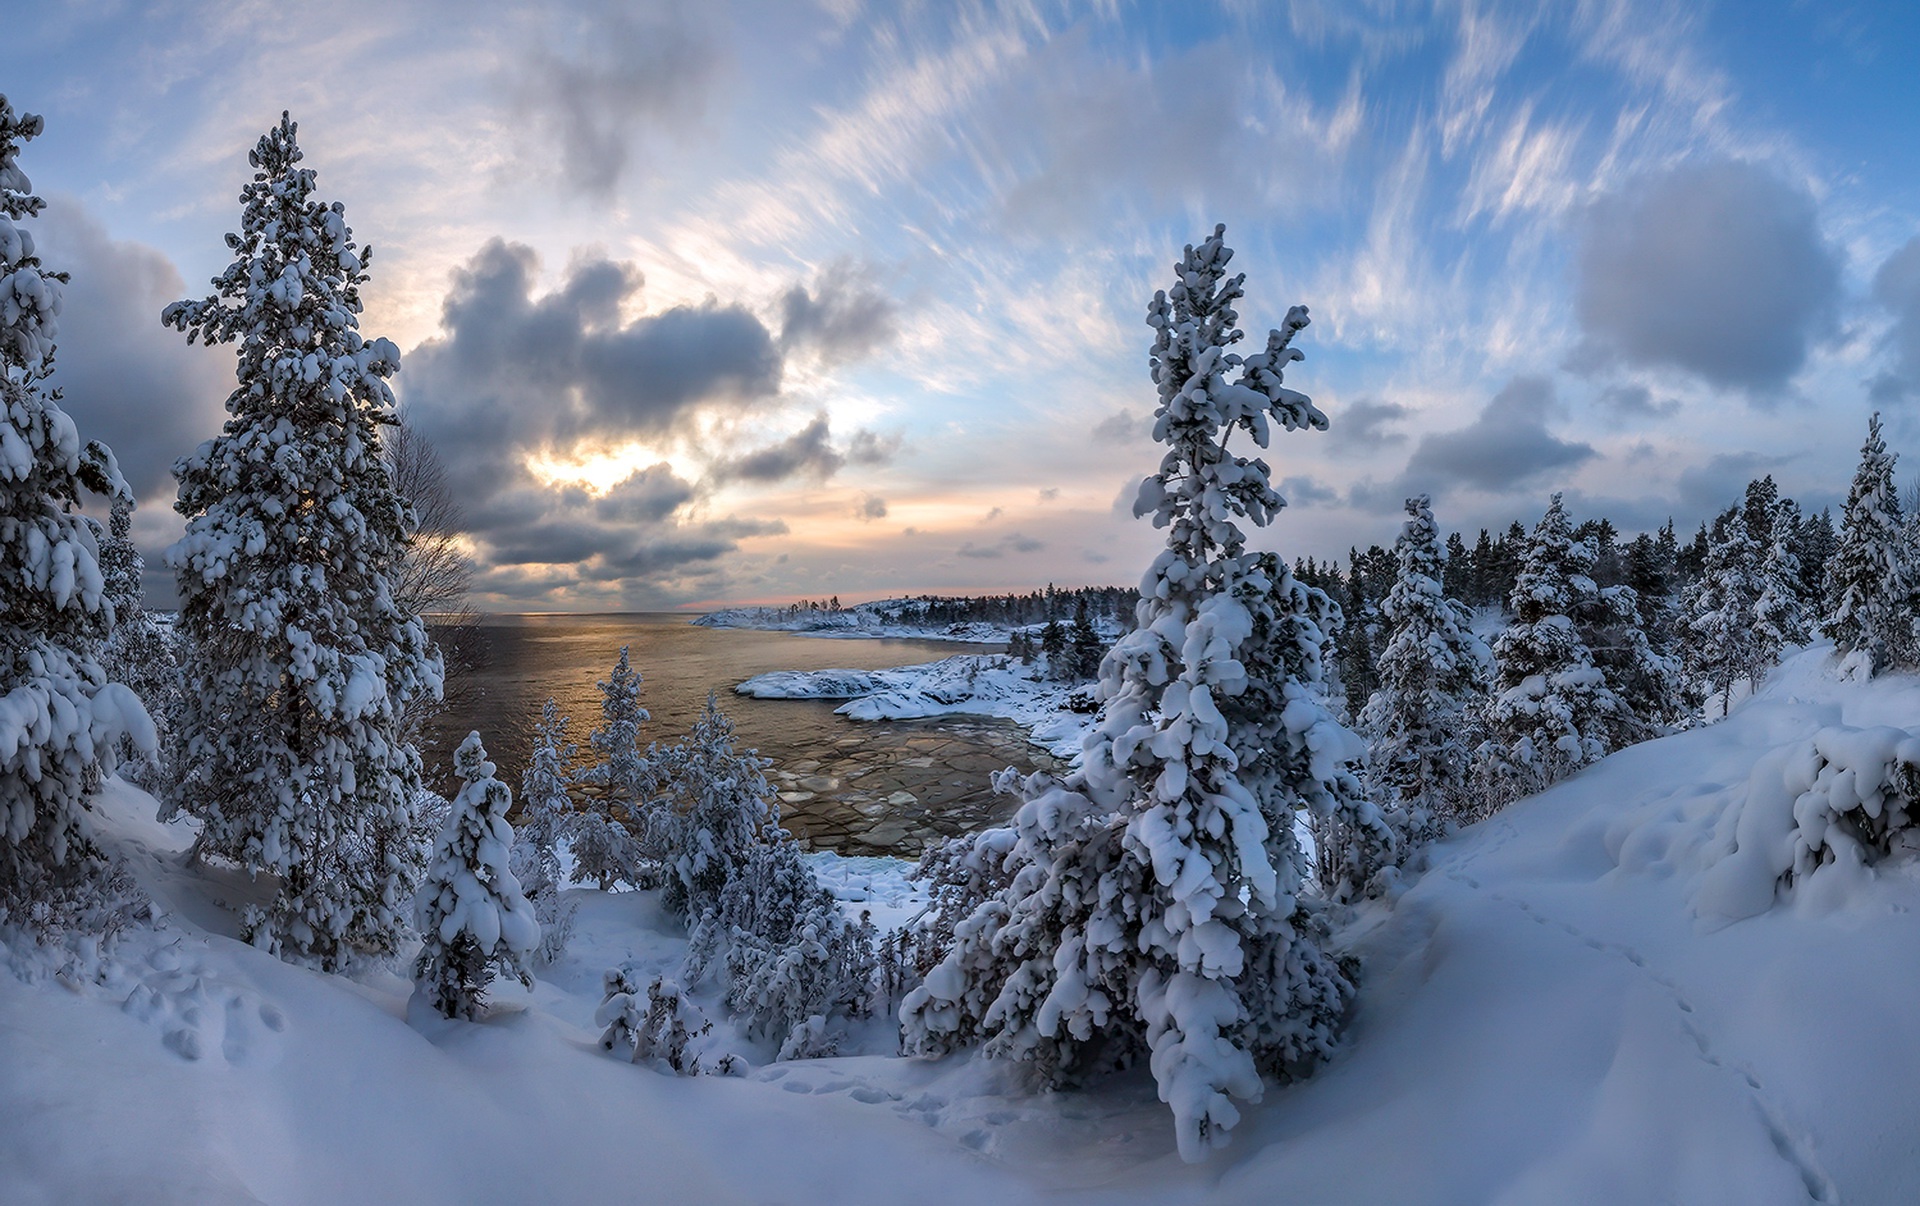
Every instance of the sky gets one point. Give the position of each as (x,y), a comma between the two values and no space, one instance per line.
(712,303)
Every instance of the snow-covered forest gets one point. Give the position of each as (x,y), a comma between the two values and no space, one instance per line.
(1556,865)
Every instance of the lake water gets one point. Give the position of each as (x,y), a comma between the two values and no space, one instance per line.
(866,788)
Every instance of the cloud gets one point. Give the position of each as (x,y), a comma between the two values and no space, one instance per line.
(1896,286)
(127,380)
(1122,427)
(1713,487)
(870,508)
(1508,444)
(1049,494)
(807,453)
(516,374)
(1013,542)
(1303,491)
(1364,424)
(1716,267)
(1636,402)
(844,317)
(620,74)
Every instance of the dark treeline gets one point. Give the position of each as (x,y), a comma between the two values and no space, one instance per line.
(1112,603)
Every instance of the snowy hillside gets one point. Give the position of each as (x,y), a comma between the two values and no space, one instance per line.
(1560,1010)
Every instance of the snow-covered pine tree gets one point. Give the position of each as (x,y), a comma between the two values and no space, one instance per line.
(718,807)
(474,920)
(301,659)
(1433,686)
(1779,614)
(547,816)
(1150,907)
(139,652)
(605,845)
(61,720)
(1552,711)
(1720,636)
(1869,581)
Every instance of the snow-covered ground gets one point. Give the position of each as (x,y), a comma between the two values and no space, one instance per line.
(1561,1010)
(881,618)
(968,683)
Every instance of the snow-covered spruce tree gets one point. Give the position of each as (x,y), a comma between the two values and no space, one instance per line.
(61,720)
(717,808)
(1433,687)
(1150,906)
(1721,611)
(474,921)
(300,658)
(547,815)
(1869,584)
(139,652)
(1552,711)
(605,845)
(1779,615)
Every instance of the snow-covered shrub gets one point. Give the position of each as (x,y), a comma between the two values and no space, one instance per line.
(1826,807)
(301,660)
(657,1025)
(622,1010)
(715,809)
(1433,684)
(474,921)
(606,846)
(1151,905)
(671,1022)
(786,951)
(62,722)
(546,818)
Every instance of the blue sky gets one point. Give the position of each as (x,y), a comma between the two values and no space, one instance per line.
(723,302)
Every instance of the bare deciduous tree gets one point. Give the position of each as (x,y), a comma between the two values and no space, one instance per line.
(435,576)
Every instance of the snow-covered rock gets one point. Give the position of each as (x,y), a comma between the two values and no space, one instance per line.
(967,684)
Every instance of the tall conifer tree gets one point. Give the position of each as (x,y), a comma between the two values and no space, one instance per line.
(60,719)
(1151,899)
(302,660)
(1869,582)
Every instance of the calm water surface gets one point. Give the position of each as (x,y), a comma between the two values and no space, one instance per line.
(886,787)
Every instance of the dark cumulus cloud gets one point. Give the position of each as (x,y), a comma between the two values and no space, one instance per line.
(127,380)
(1507,446)
(599,86)
(1717,268)
(844,317)
(1636,402)
(807,453)
(1896,286)
(516,373)
(1365,425)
